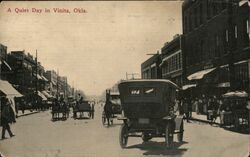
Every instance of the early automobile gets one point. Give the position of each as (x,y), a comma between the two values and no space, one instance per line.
(148,111)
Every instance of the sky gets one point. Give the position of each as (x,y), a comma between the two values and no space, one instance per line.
(96,48)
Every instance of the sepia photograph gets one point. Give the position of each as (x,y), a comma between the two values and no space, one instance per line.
(125,78)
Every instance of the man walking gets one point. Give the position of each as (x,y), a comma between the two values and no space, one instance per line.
(6,117)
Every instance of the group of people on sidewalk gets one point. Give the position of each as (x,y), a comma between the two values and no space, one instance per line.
(209,106)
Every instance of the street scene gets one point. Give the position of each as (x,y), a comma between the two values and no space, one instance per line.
(125,78)
(87,137)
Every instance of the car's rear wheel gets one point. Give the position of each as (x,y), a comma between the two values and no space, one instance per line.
(123,138)
(169,136)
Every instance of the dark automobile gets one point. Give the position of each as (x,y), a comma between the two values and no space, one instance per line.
(148,111)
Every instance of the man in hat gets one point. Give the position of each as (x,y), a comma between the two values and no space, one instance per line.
(6,117)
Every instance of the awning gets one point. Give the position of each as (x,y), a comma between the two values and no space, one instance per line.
(8,89)
(38,76)
(188,86)
(236,94)
(46,94)
(44,78)
(200,74)
(41,95)
(6,64)
(53,83)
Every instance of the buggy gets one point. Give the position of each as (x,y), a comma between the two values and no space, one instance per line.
(115,109)
(82,107)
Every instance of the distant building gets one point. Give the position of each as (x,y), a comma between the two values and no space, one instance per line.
(52,77)
(150,69)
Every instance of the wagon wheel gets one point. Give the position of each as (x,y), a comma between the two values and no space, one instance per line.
(180,134)
(169,136)
(123,138)
(103,118)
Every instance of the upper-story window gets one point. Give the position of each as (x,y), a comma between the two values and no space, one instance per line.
(227,35)
(190,21)
(196,15)
(235,31)
(201,14)
(247,23)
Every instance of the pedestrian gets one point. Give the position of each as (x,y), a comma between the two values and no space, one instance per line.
(186,109)
(196,105)
(108,110)
(92,110)
(7,117)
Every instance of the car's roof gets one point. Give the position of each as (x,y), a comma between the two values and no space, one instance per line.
(151,80)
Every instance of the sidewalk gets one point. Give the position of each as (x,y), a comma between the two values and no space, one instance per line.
(26,113)
(203,118)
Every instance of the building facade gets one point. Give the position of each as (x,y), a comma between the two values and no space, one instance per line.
(172,60)
(52,78)
(5,69)
(216,43)
(27,74)
(150,69)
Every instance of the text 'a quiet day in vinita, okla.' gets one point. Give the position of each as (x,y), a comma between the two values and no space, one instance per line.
(46,10)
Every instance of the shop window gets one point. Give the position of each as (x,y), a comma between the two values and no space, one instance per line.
(217,40)
(185,24)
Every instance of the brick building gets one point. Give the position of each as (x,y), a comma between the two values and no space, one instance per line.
(216,43)
(27,75)
(150,69)
(172,60)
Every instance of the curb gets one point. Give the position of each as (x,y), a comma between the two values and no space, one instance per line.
(28,114)
(203,121)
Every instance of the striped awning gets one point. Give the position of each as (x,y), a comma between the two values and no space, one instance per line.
(8,89)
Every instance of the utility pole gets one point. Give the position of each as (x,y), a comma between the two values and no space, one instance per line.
(57,84)
(231,43)
(36,80)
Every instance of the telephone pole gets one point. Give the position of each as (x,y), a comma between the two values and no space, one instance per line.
(231,42)
(36,80)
